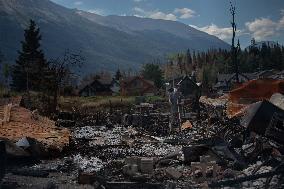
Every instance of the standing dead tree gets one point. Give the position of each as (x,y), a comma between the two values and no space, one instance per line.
(60,69)
(234,49)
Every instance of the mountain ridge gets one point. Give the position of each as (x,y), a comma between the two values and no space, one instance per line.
(111,42)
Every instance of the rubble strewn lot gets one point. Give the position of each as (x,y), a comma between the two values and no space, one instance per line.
(134,149)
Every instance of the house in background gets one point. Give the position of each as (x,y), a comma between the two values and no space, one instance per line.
(226,81)
(265,74)
(100,87)
(278,76)
(137,86)
(173,82)
(188,87)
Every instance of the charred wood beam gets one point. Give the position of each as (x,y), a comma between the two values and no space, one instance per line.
(130,185)
(31,173)
(231,182)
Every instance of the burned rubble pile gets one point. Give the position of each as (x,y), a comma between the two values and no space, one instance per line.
(133,148)
(214,151)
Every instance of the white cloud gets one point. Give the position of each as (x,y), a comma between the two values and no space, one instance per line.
(265,28)
(262,28)
(222,33)
(139,16)
(97,11)
(78,3)
(281,23)
(154,14)
(164,16)
(185,13)
(139,10)
(138,1)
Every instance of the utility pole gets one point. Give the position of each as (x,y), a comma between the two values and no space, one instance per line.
(234,49)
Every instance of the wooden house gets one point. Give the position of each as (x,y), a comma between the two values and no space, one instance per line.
(226,81)
(265,74)
(137,86)
(97,87)
(278,76)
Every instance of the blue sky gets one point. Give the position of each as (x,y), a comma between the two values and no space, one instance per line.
(261,19)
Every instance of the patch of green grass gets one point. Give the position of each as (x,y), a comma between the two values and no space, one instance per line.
(66,103)
(153,99)
(109,101)
(101,102)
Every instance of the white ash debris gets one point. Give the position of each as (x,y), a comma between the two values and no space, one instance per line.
(251,168)
(88,165)
(102,136)
(217,102)
(259,183)
(87,132)
(161,149)
(51,165)
(107,138)
(159,139)
(122,151)
(145,150)
(131,131)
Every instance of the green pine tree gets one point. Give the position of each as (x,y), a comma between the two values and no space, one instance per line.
(118,75)
(153,73)
(188,61)
(29,70)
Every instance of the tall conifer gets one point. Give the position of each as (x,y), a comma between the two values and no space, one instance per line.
(31,66)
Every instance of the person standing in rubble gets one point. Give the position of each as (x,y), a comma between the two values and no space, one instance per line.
(174,102)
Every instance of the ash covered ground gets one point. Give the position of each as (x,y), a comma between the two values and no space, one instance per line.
(132,148)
